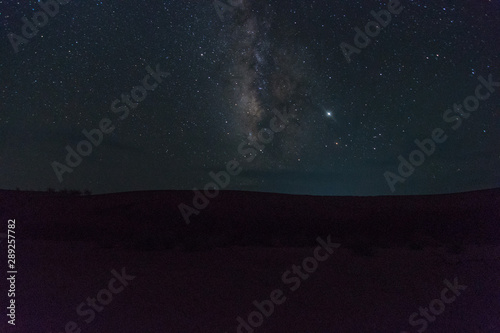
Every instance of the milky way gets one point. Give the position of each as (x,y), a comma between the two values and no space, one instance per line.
(268,70)
(227,77)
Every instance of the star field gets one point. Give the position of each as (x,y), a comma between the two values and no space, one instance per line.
(347,121)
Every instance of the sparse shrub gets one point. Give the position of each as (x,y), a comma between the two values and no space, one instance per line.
(362,245)
(456,246)
(363,249)
(415,246)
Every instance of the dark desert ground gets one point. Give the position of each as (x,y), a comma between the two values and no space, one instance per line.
(395,254)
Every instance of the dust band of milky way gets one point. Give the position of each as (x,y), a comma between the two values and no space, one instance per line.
(266,69)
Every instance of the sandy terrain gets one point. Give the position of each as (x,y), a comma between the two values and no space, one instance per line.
(175,291)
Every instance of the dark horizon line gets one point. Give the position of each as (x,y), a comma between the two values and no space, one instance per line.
(81,192)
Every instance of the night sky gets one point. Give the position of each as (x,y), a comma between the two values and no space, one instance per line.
(221,77)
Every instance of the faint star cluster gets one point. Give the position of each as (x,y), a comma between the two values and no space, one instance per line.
(347,121)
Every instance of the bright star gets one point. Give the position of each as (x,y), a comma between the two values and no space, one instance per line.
(330,114)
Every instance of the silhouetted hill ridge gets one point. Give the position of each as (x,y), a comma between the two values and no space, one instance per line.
(249,218)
